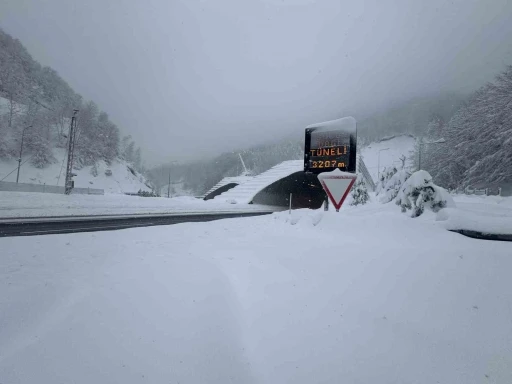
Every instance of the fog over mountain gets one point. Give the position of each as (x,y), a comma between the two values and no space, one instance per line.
(193,78)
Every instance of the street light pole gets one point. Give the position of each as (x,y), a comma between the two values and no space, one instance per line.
(21,152)
(378,165)
(169,185)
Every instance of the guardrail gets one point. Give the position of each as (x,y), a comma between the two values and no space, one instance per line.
(44,188)
(88,191)
(479,192)
(361,167)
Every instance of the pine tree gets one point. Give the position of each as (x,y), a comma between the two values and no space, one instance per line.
(359,193)
(38,96)
(137,160)
(478,151)
(386,174)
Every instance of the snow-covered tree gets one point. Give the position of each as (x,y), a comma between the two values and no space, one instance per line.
(390,190)
(386,174)
(39,146)
(478,151)
(359,192)
(94,170)
(130,152)
(38,96)
(419,192)
(137,159)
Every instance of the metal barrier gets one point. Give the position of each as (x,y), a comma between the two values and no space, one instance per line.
(479,192)
(88,191)
(361,168)
(44,188)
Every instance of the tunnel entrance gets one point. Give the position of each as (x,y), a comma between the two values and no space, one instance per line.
(306,190)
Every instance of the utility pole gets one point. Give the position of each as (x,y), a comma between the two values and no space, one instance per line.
(21,152)
(169,185)
(68,184)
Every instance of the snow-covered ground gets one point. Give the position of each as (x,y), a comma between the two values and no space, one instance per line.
(390,152)
(491,214)
(25,204)
(121,181)
(488,214)
(367,295)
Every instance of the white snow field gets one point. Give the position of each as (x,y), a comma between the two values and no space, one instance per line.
(367,295)
(121,181)
(29,204)
(487,214)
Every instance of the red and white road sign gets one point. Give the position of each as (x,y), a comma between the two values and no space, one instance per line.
(337,185)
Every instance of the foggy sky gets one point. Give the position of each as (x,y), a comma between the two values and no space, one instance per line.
(190,78)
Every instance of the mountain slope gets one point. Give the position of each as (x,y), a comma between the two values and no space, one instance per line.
(122,180)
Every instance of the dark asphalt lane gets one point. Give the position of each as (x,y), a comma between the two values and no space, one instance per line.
(59,225)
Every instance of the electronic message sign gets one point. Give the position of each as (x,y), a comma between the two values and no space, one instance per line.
(331,145)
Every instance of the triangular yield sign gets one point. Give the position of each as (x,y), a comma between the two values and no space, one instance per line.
(337,185)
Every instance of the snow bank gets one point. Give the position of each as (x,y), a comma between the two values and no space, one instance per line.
(365,296)
(487,214)
(303,217)
(457,219)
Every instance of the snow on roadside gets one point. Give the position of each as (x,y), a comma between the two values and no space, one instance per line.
(25,204)
(367,295)
(487,214)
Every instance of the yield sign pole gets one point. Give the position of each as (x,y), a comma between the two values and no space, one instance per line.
(337,185)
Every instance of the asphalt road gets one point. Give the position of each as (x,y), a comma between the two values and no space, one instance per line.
(59,225)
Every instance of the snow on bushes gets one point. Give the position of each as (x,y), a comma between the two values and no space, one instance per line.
(384,177)
(390,191)
(359,192)
(419,192)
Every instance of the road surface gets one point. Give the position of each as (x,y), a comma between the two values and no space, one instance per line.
(59,225)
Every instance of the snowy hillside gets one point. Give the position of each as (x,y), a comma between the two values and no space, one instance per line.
(390,149)
(122,179)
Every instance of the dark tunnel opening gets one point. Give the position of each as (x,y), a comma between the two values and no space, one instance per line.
(306,190)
